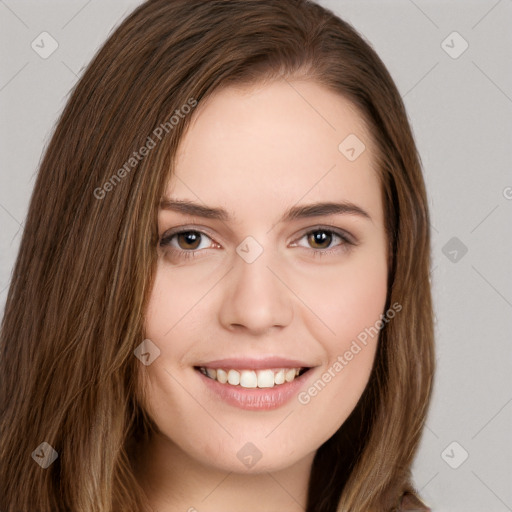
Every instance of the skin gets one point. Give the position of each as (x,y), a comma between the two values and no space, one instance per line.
(256,151)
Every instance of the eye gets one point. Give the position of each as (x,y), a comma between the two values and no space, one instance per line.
(320,240)
(186,243)
(187,240)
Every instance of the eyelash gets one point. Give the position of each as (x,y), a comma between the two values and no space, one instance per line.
(192,253)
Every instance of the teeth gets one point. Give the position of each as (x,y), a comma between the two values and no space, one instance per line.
(248,379)
(279,377)
(252,378)
(290,375)
(233,377)
(222,376)
(266,379)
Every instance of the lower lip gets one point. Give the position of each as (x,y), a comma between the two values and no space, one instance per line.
(256,399)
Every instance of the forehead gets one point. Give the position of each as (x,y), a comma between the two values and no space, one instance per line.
(270,146)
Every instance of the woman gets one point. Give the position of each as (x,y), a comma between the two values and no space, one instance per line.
(142,370)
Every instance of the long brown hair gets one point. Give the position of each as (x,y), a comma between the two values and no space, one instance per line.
(76,303)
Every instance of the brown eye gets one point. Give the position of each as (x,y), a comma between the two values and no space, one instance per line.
(324,241)
(188,239)
(320,239)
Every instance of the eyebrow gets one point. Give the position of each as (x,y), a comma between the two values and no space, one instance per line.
(187,207)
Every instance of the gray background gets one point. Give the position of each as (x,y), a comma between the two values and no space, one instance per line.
(460,110)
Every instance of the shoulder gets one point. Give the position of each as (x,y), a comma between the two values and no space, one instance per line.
(411,503)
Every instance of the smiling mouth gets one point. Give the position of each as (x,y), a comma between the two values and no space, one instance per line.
(266,378)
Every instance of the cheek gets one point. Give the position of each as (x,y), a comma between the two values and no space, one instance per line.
(173,296)
(348,303)
(345,299)
(164,324)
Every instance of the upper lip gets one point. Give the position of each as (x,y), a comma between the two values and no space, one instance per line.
(236,363)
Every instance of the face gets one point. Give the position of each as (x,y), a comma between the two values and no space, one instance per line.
(257,286)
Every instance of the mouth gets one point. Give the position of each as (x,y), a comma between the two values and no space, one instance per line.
(254,383)
(253,378)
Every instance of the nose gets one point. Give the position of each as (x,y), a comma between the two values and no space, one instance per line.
(255,297)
